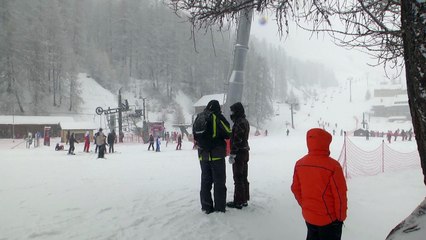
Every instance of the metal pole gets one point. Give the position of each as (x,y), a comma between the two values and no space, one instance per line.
(13,124)
(383,156)
(291,108)
(345,164)
(120,124)
(350,90)
(236,81)
(143,100)
(363,120)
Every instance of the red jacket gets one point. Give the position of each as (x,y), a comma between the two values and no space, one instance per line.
(318,182)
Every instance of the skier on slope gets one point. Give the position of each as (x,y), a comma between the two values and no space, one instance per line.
(71,141)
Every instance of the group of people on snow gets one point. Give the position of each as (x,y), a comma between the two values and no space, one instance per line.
(319,185)
(100,142)
(157,141)
(405,135)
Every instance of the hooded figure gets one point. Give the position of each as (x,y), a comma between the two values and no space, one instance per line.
(239,156)
(320,188)
(214,106)
(212,161)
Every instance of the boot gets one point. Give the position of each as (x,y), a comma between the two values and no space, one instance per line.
(234,205)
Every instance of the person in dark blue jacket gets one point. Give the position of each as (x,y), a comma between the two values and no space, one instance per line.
(212,160)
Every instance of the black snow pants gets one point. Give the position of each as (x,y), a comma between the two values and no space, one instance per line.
(101,151)
(240,171)
(332,231)
(71,149)
(213,173)
(151,144)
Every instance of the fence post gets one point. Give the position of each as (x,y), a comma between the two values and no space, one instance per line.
(345,163)
(383,156)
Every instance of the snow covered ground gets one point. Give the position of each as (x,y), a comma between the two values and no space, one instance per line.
(140,194)
(136,194)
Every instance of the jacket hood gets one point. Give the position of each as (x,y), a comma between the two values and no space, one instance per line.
(213,106)
(237,110)
(318,141)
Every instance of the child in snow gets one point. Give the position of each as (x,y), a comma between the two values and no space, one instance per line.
(158,143)
(179,143)
(59,147)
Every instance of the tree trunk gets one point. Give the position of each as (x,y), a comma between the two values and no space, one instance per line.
(413,20)
(18,101)
(415,69)
(72,86)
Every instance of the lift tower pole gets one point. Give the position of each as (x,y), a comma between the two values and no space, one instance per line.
(236,81)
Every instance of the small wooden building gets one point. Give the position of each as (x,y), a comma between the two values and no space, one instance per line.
(79,129)
(360,132)
(201,104)
(22,125)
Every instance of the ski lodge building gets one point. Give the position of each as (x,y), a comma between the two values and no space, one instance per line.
(391,103)
(78,128)
(58,126)
(22,125)
(204,100)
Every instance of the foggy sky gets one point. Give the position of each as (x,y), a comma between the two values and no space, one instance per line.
(299,43)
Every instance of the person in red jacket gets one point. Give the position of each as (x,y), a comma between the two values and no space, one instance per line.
(320,188)
(86,142)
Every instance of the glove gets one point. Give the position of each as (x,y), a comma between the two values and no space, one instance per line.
(231,159)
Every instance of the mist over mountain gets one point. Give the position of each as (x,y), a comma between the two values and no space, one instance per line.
(45,44)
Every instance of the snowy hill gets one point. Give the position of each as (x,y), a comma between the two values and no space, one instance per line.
(93,95)
(333,108)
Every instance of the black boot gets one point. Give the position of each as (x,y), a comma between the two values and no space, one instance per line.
(208,211)
(234,205)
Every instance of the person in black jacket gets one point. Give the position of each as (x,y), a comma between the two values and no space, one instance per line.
(212,160)
(151,142)
(239,156)
(111,141)
(72,140)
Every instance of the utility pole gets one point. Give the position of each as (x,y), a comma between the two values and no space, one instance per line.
(145,131)
(236,81)
(292,103)
(143,106)
(13,123)
(363,121)
(120,123)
